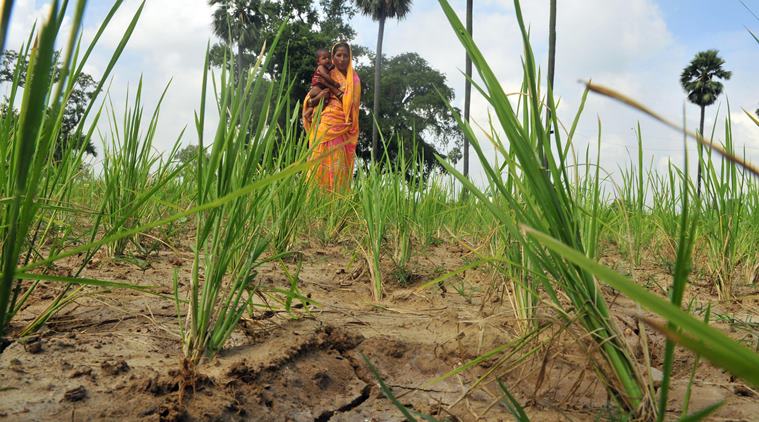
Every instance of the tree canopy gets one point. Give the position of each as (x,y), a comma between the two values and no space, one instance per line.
(311,25)
(383,9)
(415,100)
(77,103)
(700,79)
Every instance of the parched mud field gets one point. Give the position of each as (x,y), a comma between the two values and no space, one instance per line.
(115,355)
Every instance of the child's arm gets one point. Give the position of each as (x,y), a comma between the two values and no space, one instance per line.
(314,91)
(324,73)
(336,92)
(314,101)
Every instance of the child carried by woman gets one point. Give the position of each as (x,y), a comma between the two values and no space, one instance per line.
(322,86)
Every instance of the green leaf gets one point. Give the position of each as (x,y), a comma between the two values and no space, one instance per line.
(693,334)
(387,391)
(512,404)
(87,281)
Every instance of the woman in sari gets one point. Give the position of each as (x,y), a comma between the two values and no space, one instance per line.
(333,134)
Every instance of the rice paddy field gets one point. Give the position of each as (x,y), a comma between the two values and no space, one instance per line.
(226,287)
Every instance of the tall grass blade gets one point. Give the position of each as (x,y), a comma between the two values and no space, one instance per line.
(388,392)
(693,334)
(546,199)
(512,404)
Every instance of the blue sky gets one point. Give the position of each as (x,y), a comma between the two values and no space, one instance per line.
(696,21)
(636,46)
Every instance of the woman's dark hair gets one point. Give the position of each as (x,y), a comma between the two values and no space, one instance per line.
(342,44)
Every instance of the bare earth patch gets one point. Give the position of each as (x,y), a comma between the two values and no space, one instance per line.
(116,355)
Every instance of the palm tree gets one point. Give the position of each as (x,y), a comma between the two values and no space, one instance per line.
(699,80)
(380,10)
(468,86)
(238,22)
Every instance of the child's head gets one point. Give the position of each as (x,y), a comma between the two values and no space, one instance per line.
(323,57)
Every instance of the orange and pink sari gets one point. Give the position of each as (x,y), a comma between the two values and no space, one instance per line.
(333,135)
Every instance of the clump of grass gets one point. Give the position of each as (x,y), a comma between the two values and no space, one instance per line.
(289,198)
(632,193)
(230,239)
(681,327)
(331,214)
(403,203)
(546,202)
(375,209)
(664,210)
(430,211)
(33,176)
(726,234)
(131,166)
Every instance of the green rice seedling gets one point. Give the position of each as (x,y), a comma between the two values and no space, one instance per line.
(727,241)
(277,299)
(20,221)
(330,213)
(751,228)
(517,268)
(512,405)
(588,196)
(374,214)
(524,299)
(290,194)
(30,169)
(132,166)
(230,238)
(405,182)
(333,212)
(547,203)
(681,327)
(58,180)
(132,176)
(686,242)
(664,193)
(631,194)
(429,211)
(691,333)
(288,201)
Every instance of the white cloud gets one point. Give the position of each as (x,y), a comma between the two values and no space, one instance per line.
(624,44)
(168,43)
(25,14)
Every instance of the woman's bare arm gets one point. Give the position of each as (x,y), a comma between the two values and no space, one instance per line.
(336,92)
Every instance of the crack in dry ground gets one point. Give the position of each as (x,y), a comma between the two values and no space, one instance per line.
(358,401)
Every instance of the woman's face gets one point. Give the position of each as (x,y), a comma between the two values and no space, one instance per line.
(341,58)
